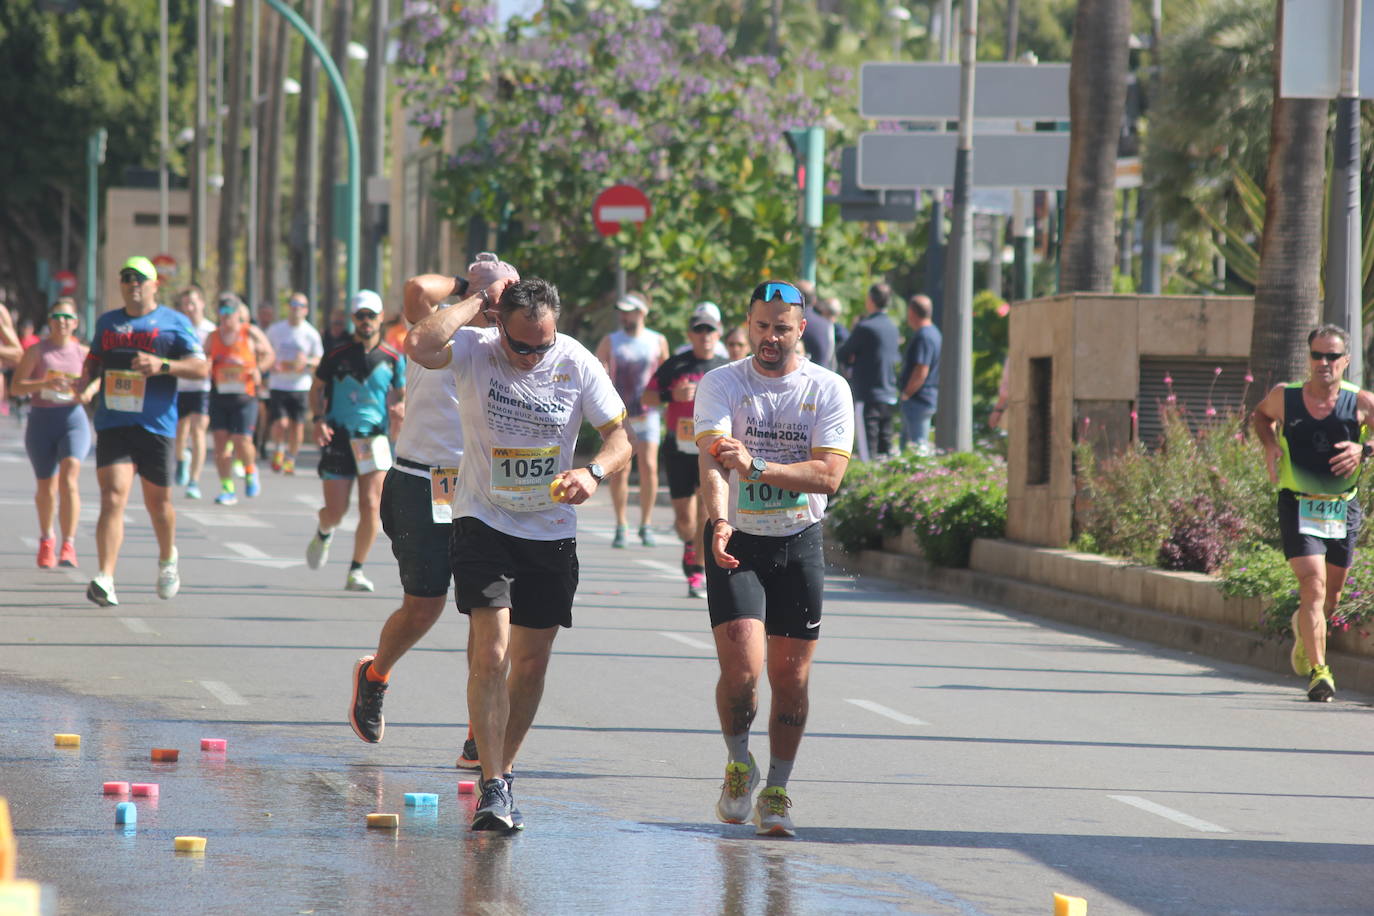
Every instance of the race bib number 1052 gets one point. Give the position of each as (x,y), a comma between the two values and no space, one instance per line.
(520,477)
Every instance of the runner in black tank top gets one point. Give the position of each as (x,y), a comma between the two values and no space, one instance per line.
(1313,436)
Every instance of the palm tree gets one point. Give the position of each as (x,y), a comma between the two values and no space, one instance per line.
(1097,100)
(232,194)
(1288,294)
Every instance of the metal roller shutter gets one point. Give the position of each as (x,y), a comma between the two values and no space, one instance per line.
(1196,384)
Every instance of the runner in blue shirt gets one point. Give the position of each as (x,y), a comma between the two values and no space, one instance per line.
(138,352)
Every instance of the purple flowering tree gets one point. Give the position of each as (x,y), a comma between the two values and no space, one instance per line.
(589,95)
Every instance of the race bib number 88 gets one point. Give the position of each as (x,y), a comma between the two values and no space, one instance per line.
(766,509)
(520,477)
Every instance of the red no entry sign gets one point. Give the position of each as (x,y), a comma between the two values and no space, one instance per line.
(618,204)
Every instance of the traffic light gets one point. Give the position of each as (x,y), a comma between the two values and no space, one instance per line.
(808,154)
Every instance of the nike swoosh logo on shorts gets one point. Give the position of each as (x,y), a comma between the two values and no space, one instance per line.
(811,625)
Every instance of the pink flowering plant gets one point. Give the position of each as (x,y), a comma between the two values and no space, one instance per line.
(551,110)
(1184,502)
(947,500)
(1200,499)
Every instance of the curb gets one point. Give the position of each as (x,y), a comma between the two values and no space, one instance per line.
(1354,674)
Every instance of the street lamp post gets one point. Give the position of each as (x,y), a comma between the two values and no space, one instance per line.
(95,156)
(954,427)
(350,132)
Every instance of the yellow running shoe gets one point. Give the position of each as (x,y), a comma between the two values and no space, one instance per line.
(770,814)
(1322,687)
(740,780)
(1298,657)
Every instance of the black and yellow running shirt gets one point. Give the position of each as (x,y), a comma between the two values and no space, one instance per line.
(1309,443)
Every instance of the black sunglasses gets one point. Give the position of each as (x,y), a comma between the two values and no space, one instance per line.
(524,349)
(131,276)
(1328,357)
(704,328)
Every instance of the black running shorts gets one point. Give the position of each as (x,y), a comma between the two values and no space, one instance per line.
(235,414)
(1338,551)
(684,474)
(419,544)
(779,580)
(150,454)
(535,579)
(289,404)
(192,402)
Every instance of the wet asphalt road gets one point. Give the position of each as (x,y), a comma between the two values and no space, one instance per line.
(960,759)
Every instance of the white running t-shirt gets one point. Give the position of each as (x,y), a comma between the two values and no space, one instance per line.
(204,329)
(784,420)
(432,433)
(520,430)
(292,343)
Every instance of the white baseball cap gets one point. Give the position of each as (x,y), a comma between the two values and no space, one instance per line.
(367,299)
(706,313)
(631,302)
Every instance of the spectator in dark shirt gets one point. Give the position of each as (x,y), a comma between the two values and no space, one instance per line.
(920,381)
(819,335)
(872,351)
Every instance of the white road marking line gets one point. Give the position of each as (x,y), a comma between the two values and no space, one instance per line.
(224,693)
(31,543)
(307,499)
(1178,817)
(687,640)
(224,519)
(247,551)
(673,571)
(889,713)
(136,625)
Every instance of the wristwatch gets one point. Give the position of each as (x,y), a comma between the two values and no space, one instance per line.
(756,468)
(597,471)
(1367,450)
(460,287)
(165,368)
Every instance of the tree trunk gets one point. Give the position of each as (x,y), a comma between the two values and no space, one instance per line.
(305,194)
(1288,294)
(232,197)
(269,207)
(1097,101)
(329,164)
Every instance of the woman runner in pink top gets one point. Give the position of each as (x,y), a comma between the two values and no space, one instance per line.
(59,432)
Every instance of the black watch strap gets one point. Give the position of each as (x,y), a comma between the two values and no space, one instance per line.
(1367,450)
(460,287)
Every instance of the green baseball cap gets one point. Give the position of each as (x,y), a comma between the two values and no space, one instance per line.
(142,265)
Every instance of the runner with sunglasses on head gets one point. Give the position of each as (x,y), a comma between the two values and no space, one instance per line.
(417,510)
(58,436)
(675,384)
(523,391)
(775,433)
(1313,434)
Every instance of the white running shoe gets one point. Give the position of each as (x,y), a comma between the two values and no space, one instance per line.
(168,579)
(357,582)
(317,551)
(740,782)
(770,814)
(101,591)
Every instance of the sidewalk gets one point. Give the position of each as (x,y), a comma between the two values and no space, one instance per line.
(1354,674)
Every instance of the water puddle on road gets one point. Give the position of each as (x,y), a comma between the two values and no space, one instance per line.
(285,828)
